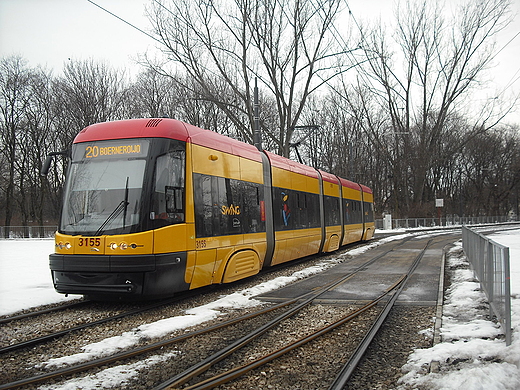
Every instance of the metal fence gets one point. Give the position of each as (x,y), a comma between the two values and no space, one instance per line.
(411,223)
(27,231)
(490,262)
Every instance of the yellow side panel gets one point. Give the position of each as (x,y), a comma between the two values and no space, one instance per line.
(281,178)
(190,266)
(349,193)
(204,266)
(174,238)
(313,185)
(216,163)
(219,241)
(294,244)
(330,189)
(298,182)
(332,234)
(258,243)
(279,252)
(368,197)
(369,232)
(329,230)
(352,233)
(295,181)
(223,254)
(241,265)
(251,171)
(332,243)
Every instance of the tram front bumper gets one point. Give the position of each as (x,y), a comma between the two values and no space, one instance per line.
(149,275)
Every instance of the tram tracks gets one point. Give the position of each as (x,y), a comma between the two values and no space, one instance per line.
(49,310)
(294,306)
(54,335)
(344,373)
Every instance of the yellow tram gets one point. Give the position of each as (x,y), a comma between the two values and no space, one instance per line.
(157,206)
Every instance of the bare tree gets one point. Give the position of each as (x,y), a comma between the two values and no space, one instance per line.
(289,46)
(89,92)
(422,84)
(14,101)
(152,95)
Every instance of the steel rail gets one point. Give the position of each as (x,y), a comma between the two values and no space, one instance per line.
(6,320)
(242,370)
(52,336)
(207,363)
(138,351)
(161,344)
(345,373)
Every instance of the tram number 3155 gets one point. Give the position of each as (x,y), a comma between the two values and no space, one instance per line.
(89,241)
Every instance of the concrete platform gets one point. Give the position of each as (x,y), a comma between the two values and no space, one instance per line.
(372,280)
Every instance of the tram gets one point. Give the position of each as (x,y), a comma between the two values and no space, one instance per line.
(153,207)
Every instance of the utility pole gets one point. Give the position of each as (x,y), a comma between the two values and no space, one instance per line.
(257,133)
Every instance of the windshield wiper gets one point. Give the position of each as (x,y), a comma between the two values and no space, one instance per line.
(122,206)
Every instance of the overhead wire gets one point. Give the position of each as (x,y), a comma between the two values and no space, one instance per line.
(125,21)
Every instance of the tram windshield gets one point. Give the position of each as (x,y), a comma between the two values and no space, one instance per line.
(104,187)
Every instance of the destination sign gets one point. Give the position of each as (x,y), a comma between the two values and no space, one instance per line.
(96,151)
(111,149)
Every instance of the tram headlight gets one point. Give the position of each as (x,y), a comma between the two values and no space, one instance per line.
(66,245)
(123,246)
(113,246)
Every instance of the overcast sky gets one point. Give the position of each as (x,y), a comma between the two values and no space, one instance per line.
(50,32)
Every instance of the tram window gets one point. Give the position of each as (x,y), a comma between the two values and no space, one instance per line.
(313,207)
(331,211)
(369,212)
(226,206)
(356,211)
(250,214)
(283,201)
(168,196)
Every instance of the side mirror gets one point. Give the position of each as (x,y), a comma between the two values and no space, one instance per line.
(47,163)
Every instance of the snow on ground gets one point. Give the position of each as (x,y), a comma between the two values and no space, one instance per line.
(470,356)
(25,277)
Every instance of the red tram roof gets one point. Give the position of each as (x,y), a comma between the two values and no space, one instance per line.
(175,129)
(329,177)
(290,165)
(167,128)
(133,128)
(220,142)
(366,189)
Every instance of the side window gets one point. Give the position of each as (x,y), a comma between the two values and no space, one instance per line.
(348,212)
(369,212)
(226,206)
(228,196)
(253,217)
(331,211)
(283,208)
(204,207)
(168,194)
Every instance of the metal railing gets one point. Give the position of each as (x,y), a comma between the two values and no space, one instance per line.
(12,232)
(412,223)
(490,262)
